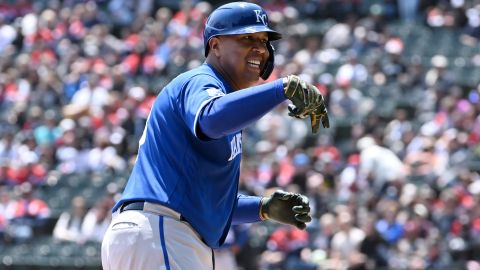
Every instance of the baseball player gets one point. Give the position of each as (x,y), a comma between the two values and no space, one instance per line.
(182,194)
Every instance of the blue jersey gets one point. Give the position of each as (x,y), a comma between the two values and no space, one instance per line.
(197,178)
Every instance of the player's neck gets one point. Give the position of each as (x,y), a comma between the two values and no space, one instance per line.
(213,62)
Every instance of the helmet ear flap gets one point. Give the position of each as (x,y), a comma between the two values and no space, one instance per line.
(267,70)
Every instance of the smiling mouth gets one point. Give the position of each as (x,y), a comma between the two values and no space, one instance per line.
(254,63)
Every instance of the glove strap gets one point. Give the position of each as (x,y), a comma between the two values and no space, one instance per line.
(263,215)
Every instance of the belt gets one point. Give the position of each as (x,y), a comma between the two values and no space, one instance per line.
(132,206)
(151,207)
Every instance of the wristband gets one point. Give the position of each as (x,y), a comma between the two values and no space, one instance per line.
(263,215)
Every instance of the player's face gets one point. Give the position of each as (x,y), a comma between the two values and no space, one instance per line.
(242,58)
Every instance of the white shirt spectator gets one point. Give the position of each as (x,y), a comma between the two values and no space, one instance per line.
(94,97)
(347,240)
(96,223)
(69,224)
(379,163)
(7,35)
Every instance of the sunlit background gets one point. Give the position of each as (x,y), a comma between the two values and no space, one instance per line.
(394,184)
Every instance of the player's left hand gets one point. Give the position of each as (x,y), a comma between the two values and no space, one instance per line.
(320,114)
(286,207)
(307,101)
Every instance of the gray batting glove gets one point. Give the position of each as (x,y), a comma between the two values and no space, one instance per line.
(286,207)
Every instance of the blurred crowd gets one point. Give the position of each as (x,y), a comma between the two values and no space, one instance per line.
(394,183)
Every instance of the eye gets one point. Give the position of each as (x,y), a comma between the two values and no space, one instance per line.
(252,38)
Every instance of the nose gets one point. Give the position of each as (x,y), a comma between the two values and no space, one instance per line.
(260,47)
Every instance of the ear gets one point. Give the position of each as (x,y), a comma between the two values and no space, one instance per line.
(214,45)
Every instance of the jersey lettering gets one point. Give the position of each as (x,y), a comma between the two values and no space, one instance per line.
(235,146)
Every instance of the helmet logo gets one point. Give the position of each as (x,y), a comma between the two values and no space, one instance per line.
(261,16)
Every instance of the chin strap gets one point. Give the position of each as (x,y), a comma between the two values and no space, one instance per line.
(267,70)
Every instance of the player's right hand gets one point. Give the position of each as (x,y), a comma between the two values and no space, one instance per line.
(286,207)
(306,101)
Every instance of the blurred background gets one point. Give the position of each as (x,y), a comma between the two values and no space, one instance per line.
(394,183)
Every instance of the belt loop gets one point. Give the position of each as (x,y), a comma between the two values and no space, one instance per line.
(116,213)
(213,258)
(120,209)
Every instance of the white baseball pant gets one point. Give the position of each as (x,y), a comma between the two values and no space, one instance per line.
(154,238)
(225,260)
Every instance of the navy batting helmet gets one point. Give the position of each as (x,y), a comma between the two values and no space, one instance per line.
(241,18)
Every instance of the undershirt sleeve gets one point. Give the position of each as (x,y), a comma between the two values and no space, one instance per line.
(231,113)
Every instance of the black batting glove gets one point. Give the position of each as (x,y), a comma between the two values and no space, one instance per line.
(306,101)
(320,114)
(286,207)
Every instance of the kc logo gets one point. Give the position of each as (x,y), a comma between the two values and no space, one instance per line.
(261,16)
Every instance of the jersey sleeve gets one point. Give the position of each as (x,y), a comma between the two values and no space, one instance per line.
(221,116)
(194,95)
(247,209)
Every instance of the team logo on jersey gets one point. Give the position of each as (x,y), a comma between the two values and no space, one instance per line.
(261,16)
(213,92)
(235,146)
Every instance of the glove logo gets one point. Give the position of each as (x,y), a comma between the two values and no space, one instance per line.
(261,16)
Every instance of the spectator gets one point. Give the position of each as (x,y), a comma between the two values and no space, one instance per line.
(472,28)
(28,214)
(49,132)
(96,220)
(68,151)
(7,34)
(5,202)
(393,65)
(438,76)
(285,245)
(378,165)
(346,242)
(408,10)
(396,130)
(424,165)
(327,227)
(8,146)
(352,71)
(347,101)
(91,97)
(69,224)
(389,228)
(373,246)
(348,179)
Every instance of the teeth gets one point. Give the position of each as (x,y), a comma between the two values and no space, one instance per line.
(254,62)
